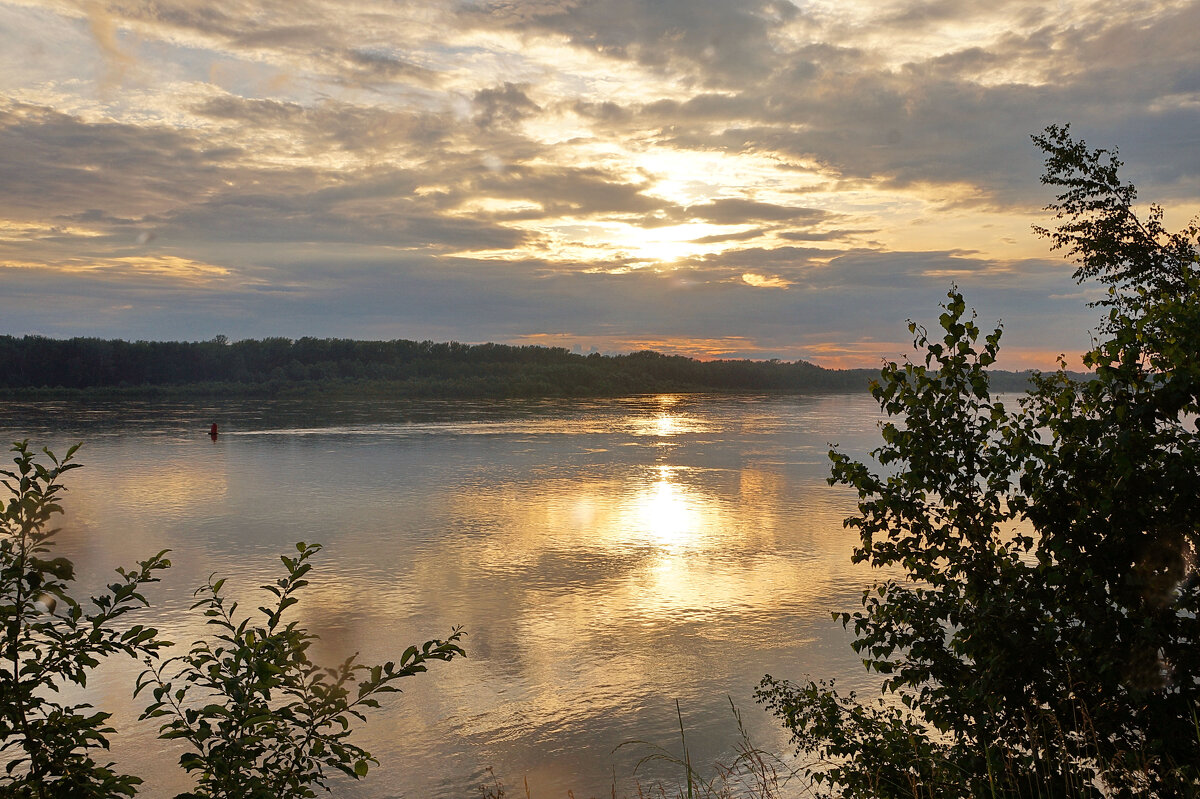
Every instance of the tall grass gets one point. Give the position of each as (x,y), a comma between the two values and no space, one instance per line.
(751,773)
(1067,765)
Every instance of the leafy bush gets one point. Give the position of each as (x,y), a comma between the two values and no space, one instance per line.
(1043,640)
(262,721)
(50,639)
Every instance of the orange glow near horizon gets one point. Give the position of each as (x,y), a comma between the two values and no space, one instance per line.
(830,355)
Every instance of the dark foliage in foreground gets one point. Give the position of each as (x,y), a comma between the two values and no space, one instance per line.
(262,721)
(1042,635)
(49,638)
(407,368)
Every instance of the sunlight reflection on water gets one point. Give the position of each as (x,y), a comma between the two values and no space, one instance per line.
(605,557)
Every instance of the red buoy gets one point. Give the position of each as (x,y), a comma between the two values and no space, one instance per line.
(212,433)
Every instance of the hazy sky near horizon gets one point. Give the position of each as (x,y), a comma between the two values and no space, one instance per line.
(716,178)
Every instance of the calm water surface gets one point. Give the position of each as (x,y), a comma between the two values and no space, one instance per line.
(606,558)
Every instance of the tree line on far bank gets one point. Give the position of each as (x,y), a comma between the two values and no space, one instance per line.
(421,368)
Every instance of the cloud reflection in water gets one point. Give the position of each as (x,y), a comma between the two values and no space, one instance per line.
(605,559)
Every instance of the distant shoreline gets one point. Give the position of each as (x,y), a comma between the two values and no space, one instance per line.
(34,367)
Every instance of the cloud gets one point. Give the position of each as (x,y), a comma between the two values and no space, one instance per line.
(55,164)
(713,41)
(764,281)
(507,104)
(799,179)
(735,211)
(571,190)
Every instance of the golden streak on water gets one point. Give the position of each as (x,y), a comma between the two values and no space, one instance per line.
(604,558)
(666,511)
(665,425)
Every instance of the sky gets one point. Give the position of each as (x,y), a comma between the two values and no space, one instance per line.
(712,178)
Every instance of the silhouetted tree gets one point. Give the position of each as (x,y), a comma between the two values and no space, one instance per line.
(1043,639)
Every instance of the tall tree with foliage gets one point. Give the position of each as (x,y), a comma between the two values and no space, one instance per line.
(51,639)
(1115,477)
(1043,635)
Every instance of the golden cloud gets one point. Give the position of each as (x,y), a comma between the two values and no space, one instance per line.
(158,267)
(764,282)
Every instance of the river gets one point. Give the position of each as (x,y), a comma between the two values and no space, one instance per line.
(606,559)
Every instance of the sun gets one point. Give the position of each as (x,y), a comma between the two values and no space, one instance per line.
(642,246)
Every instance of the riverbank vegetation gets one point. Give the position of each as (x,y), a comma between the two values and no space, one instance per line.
(260,719)
(1043,638)
(34,366)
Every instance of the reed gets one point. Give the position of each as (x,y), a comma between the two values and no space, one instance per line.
(750,773)
(755,773)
